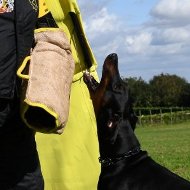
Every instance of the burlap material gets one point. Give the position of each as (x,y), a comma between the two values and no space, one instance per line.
(46,94)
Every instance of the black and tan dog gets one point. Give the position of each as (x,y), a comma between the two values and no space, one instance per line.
(124,166)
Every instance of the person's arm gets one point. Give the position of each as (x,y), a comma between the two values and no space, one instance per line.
(7,63)
(7,55)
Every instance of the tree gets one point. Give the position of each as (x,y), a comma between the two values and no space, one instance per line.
(140,91)
(167,90)
(185,96)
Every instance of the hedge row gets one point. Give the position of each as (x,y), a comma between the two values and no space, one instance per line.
(162,117)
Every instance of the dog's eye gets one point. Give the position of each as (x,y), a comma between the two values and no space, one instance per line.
(117,87)
(117,116)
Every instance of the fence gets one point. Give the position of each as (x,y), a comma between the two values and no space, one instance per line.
(150,116)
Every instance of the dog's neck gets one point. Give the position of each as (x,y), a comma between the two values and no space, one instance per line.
(105,162)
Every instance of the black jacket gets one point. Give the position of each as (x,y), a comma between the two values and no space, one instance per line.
(18,154)
(16,38)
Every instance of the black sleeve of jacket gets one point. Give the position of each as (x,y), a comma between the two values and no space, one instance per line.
(7,55)
(26,18)
(16,39)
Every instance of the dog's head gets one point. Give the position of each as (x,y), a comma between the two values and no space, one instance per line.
(112,104)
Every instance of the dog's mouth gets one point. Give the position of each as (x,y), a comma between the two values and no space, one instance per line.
(113,121)
(98,90)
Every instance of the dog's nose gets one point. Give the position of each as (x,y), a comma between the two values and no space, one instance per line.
(113,56)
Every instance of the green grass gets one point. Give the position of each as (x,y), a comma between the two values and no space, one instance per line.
(169,145)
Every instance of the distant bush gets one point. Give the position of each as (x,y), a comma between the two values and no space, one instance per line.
(162,90)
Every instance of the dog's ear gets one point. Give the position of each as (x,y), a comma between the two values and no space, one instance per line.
(131,114)
(133,120)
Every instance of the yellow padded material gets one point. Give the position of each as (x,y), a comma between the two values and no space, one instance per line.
(70,161)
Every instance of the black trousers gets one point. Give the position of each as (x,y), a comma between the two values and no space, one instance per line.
(19,161)
(24,173)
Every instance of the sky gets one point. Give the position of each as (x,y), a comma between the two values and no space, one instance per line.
(150,36)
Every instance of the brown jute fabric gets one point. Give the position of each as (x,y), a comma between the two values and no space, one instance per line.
(46,94)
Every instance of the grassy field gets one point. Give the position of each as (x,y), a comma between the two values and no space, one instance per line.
(169,145)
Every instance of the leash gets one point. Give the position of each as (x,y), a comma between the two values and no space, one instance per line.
(105,162)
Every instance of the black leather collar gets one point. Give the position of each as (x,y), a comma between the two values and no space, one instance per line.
(105,162)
